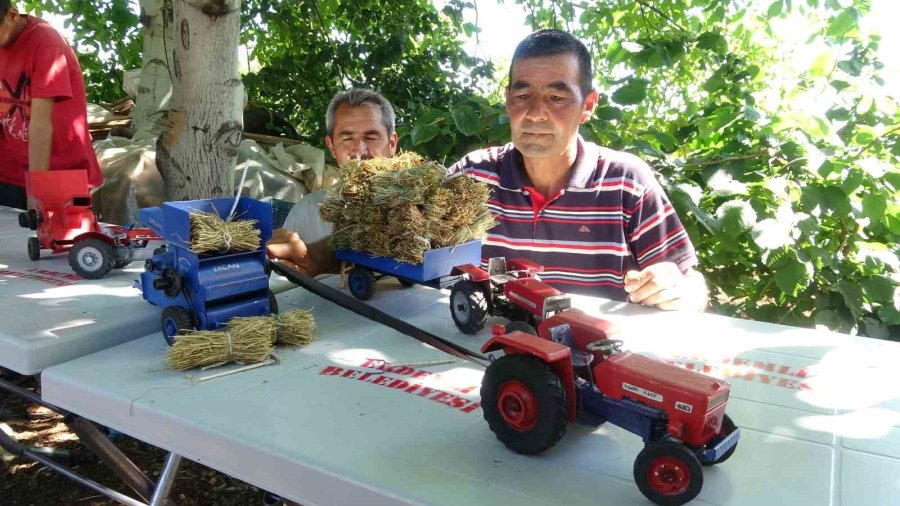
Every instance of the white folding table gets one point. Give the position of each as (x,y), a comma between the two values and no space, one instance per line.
(329,425)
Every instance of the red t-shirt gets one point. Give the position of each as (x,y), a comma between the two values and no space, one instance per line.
(40,64)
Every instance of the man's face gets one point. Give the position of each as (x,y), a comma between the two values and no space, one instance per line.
(546,106)
(10,26)
(359,133)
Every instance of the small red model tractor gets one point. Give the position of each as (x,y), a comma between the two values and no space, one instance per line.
(64,220)
(509,288)
(572,369)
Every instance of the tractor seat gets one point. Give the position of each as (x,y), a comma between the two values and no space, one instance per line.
(562,334)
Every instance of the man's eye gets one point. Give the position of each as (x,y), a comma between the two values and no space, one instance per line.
(557,98)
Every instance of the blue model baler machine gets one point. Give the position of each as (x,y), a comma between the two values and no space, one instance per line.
(203,291)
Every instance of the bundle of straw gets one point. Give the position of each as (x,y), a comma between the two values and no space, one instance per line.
(401,207)
(211,234)
(243,340)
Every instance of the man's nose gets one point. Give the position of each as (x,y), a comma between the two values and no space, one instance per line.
(536,112)
(359,150)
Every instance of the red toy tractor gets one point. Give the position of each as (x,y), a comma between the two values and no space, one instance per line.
(508,289)
(574,372)
(64,220)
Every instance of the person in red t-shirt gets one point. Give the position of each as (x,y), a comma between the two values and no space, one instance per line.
(43,109)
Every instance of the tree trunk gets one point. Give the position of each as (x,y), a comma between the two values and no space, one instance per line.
(197,151)
(151,109)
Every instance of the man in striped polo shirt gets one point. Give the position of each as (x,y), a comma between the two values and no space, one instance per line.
(595,218)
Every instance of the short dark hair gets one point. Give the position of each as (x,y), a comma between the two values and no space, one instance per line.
(358,97)
(552,43)
(5,5)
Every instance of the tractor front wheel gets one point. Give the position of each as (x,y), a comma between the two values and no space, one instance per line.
(524,403)
(728,427)
(34,249)
(91,258)
(668,473)
(273,303)
(468,306)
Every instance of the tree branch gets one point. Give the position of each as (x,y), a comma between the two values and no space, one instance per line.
(661,14)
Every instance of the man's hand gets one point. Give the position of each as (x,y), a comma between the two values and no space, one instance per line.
(663,285)
(287,247)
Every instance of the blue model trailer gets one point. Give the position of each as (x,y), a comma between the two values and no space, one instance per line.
(203,291)
(436,271)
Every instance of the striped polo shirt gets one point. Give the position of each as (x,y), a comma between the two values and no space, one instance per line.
(611,217)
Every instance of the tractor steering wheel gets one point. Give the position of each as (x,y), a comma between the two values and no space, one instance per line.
(605,345)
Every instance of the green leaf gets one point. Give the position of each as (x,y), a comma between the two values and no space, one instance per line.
(466,119)
(423,132)
(853,297)
(716,82)
(873,207)
(880,289)
(843,23)
(775,9)
(608,113)
(632,93)
(735,216)
(791,275)
(714,41)
(666,141)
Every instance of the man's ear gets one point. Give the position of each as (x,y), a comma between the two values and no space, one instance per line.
(392,144)
(330,144)
(590,102)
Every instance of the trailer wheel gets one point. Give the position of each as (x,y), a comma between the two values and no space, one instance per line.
(668,473)
(273,304)
(91,258)
(728,427)
(405,282)
(175,319)
(468,306)
(524,403)
(362,283)
(34,249)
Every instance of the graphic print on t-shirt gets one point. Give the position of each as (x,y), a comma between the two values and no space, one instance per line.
(14,100)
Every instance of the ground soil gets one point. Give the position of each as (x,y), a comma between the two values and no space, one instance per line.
(26,483)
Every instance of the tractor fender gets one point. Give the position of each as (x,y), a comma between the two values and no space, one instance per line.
(557,356)
(95,235)
(472,272)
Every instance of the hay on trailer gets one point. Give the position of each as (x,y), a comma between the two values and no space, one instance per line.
(403,206)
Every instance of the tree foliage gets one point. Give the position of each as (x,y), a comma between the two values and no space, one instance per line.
(768,122)
(781,155)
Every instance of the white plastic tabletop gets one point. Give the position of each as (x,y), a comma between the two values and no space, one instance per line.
(819,413)
(49,315)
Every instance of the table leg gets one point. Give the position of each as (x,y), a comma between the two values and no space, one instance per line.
(166,480)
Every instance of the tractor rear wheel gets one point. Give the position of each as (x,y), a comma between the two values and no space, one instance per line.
(524,403)
(521,327)
(91,258)
(175,319)
(668,473)
(468,306)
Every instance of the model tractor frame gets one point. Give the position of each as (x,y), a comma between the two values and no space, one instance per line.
(509,288)
(63,217)
(574,371)
(204,291)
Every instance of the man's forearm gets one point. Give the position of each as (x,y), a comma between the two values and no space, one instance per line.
(40,134)
(323,257)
